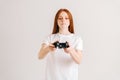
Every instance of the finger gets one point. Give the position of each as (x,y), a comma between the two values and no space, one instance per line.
(68,44)
(51,45)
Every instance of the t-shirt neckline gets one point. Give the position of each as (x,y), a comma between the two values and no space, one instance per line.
(65,35)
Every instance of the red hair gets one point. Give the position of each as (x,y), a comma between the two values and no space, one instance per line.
(71,26)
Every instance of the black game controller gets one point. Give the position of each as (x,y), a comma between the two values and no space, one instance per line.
(59,45)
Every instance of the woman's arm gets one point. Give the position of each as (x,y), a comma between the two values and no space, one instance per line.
(75,54)
(45,49)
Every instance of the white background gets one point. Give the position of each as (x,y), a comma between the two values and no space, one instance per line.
(25,23)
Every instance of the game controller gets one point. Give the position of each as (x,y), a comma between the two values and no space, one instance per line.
(59,45)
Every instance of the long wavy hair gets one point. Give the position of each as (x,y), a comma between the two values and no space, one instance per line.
(56,27)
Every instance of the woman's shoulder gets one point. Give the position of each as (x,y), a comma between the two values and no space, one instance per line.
(50,35)
(77,36)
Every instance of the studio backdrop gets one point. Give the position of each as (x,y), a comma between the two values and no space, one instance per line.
(25,23)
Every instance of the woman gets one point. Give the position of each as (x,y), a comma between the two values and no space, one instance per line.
(62,62)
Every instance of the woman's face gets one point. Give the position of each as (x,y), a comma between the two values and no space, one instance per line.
(63,20)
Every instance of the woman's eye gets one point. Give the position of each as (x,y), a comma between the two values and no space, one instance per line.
(66,18)
(63,18)
(60,18)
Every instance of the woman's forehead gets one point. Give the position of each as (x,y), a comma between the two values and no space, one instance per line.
(63,13)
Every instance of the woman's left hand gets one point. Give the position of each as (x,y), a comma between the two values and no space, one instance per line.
(67,50)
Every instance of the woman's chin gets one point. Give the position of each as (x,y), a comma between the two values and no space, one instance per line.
(64,26)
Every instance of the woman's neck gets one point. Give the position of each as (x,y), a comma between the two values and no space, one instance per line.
(65,32)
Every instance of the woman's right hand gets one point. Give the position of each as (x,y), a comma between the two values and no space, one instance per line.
(45,49)
(51,47)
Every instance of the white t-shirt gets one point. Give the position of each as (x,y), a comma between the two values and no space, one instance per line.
(60,65)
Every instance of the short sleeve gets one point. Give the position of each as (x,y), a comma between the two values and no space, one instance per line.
(79,45)
(46,40)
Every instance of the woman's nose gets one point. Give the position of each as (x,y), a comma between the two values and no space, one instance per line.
(63,19)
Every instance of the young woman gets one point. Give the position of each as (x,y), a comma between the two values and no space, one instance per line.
(62,61)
